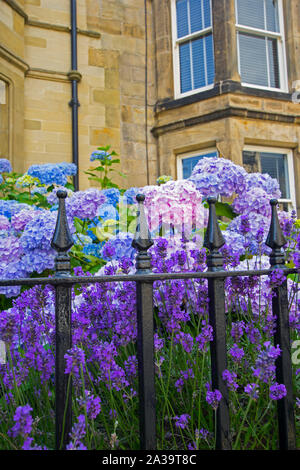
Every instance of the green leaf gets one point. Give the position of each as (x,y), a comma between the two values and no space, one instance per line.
(78,225)
(294,277)
(224,209)
(25,198)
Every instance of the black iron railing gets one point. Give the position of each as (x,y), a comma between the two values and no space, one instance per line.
(144,278)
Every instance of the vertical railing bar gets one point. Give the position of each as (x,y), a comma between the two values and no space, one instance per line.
(285,406)
(216,293)
(145,336)
(62,242)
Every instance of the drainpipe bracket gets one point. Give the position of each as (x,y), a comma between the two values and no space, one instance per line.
(74,75)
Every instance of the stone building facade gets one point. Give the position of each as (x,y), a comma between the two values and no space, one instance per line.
(205,77)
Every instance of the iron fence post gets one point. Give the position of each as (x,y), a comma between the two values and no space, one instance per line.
(216,293)
(285,406)
(62,242)
(145,332)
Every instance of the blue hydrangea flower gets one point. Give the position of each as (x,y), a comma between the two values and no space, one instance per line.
(112,195)
(129,197)
(11,207)
(48,174)
(39,190)
(39,231)
(93,249)
(68,169)
(119,247)
(38,260)
(12,270)
(5,166)
(107,211)
(99,155)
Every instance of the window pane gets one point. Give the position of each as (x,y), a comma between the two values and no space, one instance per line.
(198,63)
(272,23)
(273,63)
(196,15)
(207,13)
(251,162)
(253,59)
(210,63)
(185,67)
(276,166)
(251,13)
(188,164)
(182,18)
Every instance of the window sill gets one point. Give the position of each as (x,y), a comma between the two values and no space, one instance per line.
(228,86)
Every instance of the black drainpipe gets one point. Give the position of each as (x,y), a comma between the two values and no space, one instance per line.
(74,77)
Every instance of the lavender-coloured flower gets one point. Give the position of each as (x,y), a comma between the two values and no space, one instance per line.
(77,434)
(252,390)
(237,330)
(265,363)
(277,391)
(213,398)
(236,353)
(75,359)
(91,403)
(205,336)
(182,421)
(23,421)
(230,379)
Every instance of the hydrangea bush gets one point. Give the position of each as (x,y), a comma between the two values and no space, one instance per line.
(103,359)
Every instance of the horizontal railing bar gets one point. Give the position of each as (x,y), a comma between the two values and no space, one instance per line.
(138,277)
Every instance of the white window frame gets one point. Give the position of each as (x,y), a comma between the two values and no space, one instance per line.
(290,163)
(280,48)
(176,43)
(183,156)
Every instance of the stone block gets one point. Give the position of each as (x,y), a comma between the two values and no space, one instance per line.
(35,41)
(32,125)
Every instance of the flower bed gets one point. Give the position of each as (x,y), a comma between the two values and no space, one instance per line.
(102,361)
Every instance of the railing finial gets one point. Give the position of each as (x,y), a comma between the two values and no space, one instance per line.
(62,239)
(213,239)
(142,240)
(275,238)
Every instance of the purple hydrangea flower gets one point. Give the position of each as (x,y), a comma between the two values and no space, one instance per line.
(215,176)
(85,204)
